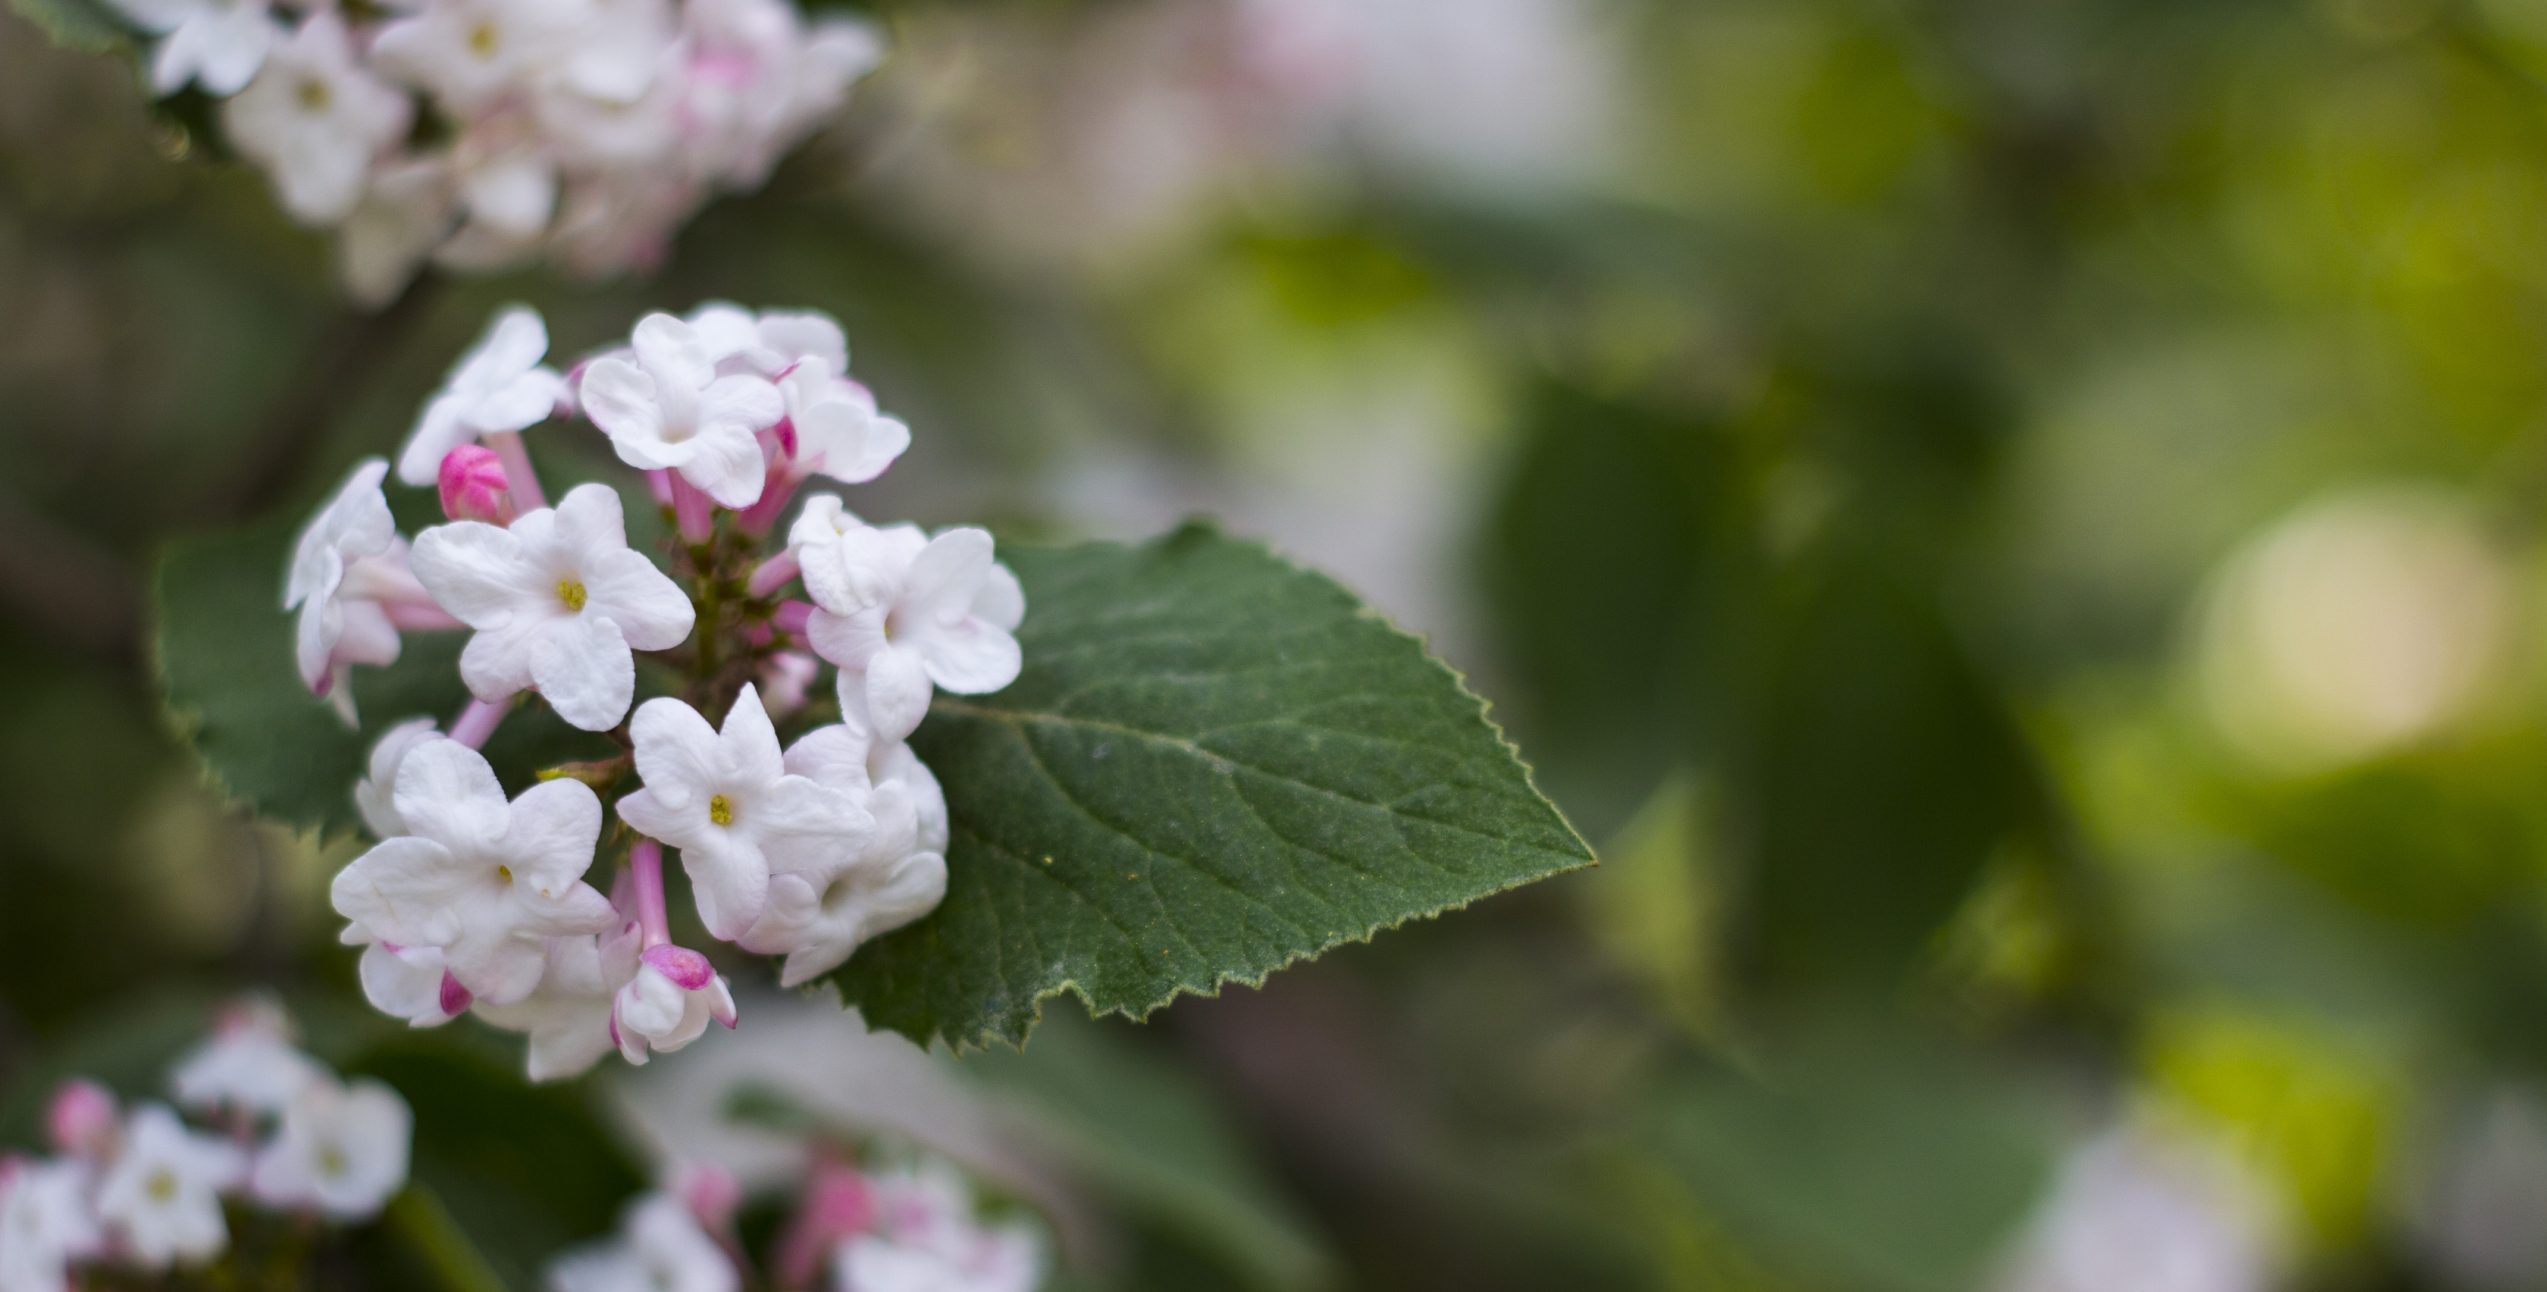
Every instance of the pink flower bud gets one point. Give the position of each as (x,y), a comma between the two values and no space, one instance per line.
(455,998)
(474,486)
(81,1119)
(687,969)
(838,1203)
(711,1192)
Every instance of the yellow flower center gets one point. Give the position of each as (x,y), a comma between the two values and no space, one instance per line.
(504,874)
(482,40)
(721,810)
(161,1186)
(331,1160)
(571,591)
(315,95)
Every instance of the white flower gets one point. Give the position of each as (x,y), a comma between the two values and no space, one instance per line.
(568,1018)
(669,1002)
(834,55)
(927,1239)
(346,557)
(249,1064)
(558,601)
(660,1248)
(342,1150)
(499,385)
(480,878)
(162,1195)
(506,182)
(727,801)
(665,408)
(372,793)
(411,983)
(2133,1210)
(839,433)
(787,677)
(468,53)
(46,1223)
(769,343)
(738,95)
(218,44)
(852,759)
(406,211)
(824,905)
(946,616)
(314,118)
(1005,1260)
(610,101)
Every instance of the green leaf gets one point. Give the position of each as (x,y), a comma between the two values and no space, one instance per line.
(1621,573)
(82,25)
(1214,763)
(1865,1158)
(1882,770)
(224,647)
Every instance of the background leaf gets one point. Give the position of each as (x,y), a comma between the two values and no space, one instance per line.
(225,660)
(1215,763)
(83,25)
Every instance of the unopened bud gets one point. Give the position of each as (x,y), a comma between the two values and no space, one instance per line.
(474,486)
(81,1119)
(711,1192)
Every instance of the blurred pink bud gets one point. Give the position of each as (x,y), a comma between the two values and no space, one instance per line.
(455,998)
(474,486)
(711,1192)
(838,1203)
(81,1119)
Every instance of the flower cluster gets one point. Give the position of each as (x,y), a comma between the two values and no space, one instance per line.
(477,902)
(484,134)
(912,1227)
(142,1190)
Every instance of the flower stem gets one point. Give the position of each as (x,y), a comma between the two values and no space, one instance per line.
(407,616)
(645,861)
(478,721)
(519,479)
(693,511)
(776,492)
(775,573)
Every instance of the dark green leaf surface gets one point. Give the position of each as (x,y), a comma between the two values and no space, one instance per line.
(1214,763)
(225,657)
